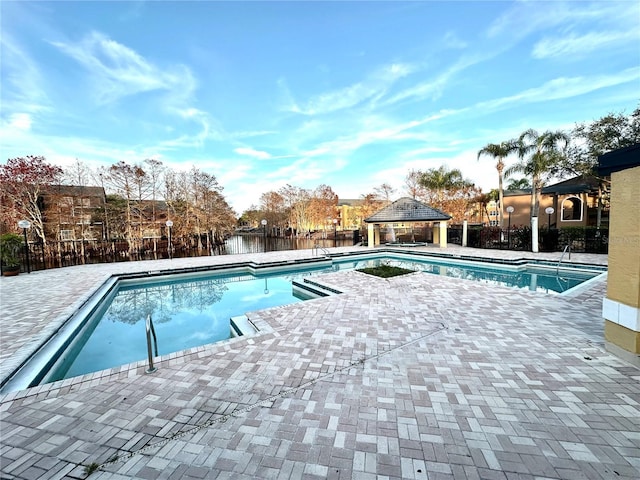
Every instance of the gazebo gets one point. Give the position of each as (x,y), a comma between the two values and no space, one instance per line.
(408,210)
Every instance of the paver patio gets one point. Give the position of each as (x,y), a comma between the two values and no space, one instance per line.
(418,376)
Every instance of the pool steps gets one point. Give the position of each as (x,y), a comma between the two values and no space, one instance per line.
(242,326)
(309,289)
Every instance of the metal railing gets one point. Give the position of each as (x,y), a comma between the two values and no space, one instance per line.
(317,248)
(151,331)
(567,248)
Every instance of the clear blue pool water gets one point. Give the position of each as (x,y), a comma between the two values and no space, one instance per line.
(190,310)
(531,278)
(187,311)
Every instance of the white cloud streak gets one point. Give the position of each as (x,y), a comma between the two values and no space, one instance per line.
(575,45)
(563,87)
(119,71)
(371,88)
(250,152)
(24,89)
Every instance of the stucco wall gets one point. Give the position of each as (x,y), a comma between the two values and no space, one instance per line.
(624,238)
(621,308)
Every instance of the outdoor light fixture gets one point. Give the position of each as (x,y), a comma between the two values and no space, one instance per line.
(24,225)
(549,211)
(169,224)
(335,232)
(510,210)
(264,232)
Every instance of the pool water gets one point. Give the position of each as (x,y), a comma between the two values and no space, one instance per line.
(194,309)
(186,313)
(529,278)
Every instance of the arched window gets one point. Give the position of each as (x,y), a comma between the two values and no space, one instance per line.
(571,209)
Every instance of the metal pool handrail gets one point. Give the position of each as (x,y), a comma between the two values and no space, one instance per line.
(568,247)
(316,250)
(151,331)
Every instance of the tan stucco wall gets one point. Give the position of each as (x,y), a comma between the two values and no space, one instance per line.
(624,238)
(622,337)
(522,203)
(522,206)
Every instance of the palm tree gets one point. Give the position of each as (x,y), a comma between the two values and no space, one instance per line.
(539,154)
(499,152)
(519,184)
(442,179)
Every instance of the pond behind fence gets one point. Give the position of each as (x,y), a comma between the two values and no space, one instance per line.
(70,253)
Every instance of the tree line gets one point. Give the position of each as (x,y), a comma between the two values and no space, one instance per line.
(139,199)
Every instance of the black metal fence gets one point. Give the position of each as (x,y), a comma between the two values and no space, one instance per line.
(70,253)
(581,239)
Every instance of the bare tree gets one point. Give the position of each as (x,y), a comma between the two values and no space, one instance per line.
(23,181)
(123,180)
(413,185)
(384,192)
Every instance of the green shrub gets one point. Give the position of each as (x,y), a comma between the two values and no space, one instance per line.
(10,245)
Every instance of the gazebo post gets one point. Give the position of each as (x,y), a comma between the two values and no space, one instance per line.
(370,236)
(443,234)
(464,233)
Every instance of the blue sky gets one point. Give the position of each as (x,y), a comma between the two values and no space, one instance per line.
(348,94)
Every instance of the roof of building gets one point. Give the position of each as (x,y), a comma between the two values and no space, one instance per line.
(579,184)
(75,190)
(407,210)
(618,160)
(351,202)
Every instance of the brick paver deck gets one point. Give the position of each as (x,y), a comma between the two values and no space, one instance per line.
(419,376)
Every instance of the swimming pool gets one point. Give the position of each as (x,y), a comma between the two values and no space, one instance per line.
(195,308)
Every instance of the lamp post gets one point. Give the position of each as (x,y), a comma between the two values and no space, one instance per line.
(24,225)
(335,232)
(169,224)
(510,210)
(549,211)
(264,233)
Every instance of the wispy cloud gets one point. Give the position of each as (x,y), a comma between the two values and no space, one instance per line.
(563,87)
(526,17)
(119,71)
(435,87)
(250,152)
(575,45)
(452,40)
(23,88)
(371,88)
(20,121)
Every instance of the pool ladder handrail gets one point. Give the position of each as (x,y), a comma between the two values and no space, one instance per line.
(316,250)
(151,331)
(566,248)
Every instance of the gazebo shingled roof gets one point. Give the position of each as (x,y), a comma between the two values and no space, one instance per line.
(406,210)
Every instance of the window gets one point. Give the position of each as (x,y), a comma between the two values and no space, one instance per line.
(571,209)
(66,235)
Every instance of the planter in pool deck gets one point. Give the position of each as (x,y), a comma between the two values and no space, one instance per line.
(10,271)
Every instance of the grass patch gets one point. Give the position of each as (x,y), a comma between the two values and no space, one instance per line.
(385,271)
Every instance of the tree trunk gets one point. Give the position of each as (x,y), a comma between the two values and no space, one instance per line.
(599,211)
(500,193)
(534,199)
